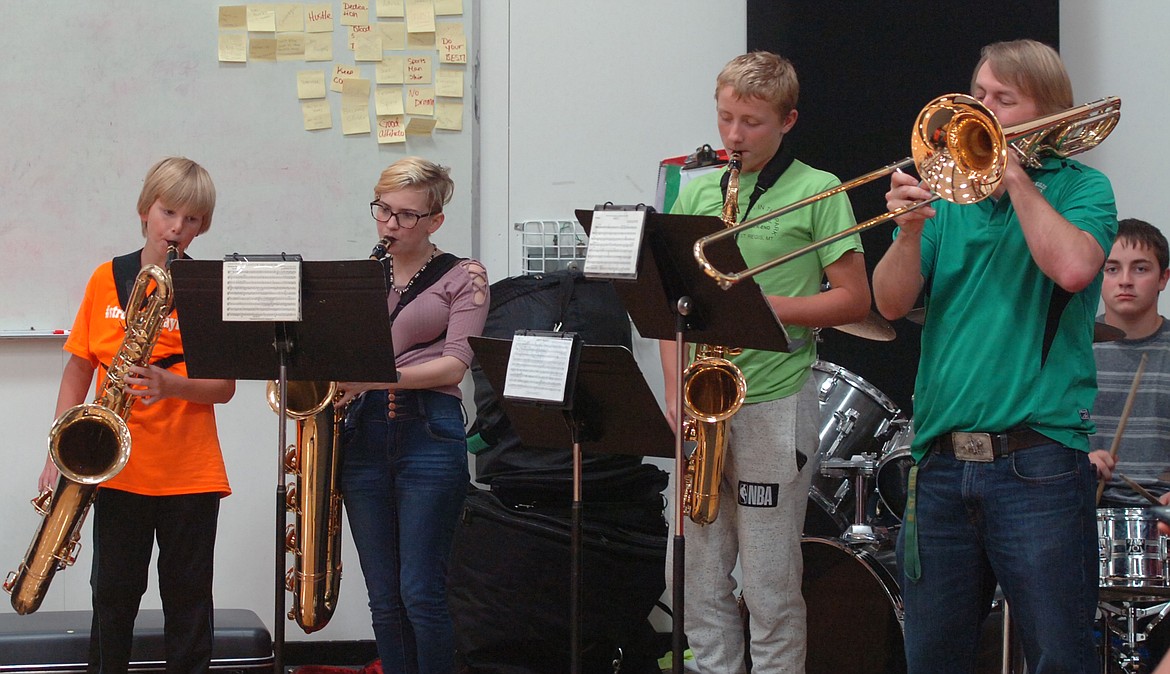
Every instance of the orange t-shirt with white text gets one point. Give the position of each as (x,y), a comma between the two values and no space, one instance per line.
(174,443)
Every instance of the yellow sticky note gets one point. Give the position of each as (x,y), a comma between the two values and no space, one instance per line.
(390,70)
(355,13)
(341,73)
(449,116)
(262,48)
(449,83)
(355,106)
(388,101)
(452,42)
(262,18)
(367,48)
(360,31)
(319,18)
(318,46)
(420,100)
(420,41)
(389,9)
(290,47)
(448,7)
(310,84)
(393,35)
(391,129)
(317,114)
(290,18)
(420,126)
(233,47)
(233,17)
(418,69)
(420,16)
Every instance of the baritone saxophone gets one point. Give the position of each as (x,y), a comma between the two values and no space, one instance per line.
(315,498)
(90,443)
(714,389)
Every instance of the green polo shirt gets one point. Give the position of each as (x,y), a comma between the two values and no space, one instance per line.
(987,303)
(771,375)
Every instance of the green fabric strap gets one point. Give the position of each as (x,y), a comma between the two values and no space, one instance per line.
(910,528)
(476,444)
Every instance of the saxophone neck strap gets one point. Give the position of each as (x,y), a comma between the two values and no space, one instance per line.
(768,177)
(126,268)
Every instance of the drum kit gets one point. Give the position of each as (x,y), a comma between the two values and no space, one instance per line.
(856,503)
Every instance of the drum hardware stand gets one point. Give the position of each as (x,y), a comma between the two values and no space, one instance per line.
(860,468)
(1127,658)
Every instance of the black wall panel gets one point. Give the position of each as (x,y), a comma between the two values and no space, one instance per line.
(866,68)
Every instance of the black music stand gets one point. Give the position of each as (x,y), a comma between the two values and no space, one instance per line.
(612,405)
(673,299)
(343,335)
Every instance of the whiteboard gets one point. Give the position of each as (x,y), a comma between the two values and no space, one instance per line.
(94,93)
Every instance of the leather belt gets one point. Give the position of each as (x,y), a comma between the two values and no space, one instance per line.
(988,446)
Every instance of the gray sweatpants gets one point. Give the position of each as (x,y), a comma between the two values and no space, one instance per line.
(761,514)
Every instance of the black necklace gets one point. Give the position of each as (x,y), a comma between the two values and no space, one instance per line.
(434,252)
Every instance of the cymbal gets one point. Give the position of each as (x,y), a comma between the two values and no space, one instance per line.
(873,327)
(1103,332)
(917,315)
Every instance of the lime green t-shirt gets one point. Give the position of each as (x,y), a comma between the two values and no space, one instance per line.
(772,375)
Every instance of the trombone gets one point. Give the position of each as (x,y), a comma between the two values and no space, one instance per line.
(960,151)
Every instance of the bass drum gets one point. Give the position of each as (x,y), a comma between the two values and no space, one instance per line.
(855,612)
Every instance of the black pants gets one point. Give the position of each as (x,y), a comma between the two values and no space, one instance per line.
(125,528)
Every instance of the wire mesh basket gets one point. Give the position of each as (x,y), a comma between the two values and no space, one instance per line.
(551,245)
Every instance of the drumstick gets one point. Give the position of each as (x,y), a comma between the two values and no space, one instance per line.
(1137,378)
(1142,491)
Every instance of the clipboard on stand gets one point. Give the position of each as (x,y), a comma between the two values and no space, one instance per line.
(606,403)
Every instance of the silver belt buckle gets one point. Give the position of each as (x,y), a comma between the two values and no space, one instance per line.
(973,446)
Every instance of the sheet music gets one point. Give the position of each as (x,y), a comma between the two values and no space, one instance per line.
(538,368)
(261,291)
(614,240)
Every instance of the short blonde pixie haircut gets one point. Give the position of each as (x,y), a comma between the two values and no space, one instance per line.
(1032,67)
(418,173)
(179,183)
(764,75)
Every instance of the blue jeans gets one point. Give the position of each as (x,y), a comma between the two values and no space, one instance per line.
(1027,520)
(404,480)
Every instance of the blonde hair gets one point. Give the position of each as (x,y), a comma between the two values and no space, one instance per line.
(179,183)
(762,75)
(418,173)
(1032,67)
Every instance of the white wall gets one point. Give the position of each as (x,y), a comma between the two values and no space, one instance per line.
(1119,49)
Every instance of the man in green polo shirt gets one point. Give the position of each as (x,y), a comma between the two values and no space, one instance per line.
(1004,490)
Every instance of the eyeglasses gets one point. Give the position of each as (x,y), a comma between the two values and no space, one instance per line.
(406,219)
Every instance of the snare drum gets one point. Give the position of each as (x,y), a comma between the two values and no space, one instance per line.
(856,418)
(1131,555)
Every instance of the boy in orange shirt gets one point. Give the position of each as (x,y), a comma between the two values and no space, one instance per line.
(170,488)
